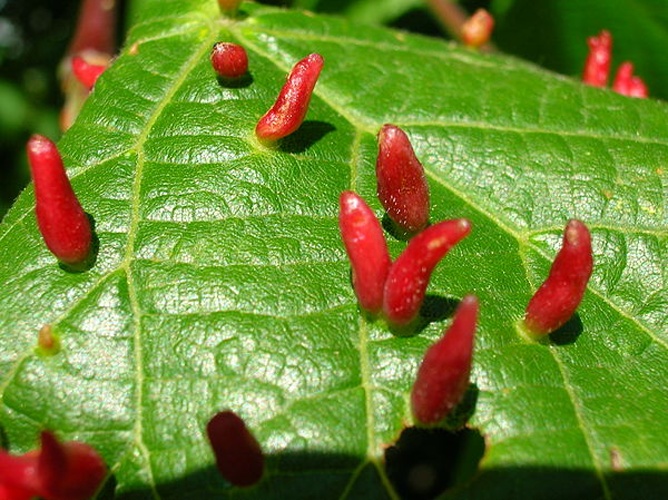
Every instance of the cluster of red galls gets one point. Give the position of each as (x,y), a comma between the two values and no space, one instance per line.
(396,290)
(392,290)
(597,68)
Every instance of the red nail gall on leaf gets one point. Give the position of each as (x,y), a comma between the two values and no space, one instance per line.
(60,217)
(365,245)
(289,110)
(408,277)
(477,29)
(558,297)
(229,60)
(597,64)
(228,6)
(401,182)
(626,83)
(87,73)
(444,373)
(57,471)
(238,455)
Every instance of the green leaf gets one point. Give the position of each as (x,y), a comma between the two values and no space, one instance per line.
(221,281)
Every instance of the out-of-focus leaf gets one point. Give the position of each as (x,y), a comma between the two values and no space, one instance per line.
(553,34)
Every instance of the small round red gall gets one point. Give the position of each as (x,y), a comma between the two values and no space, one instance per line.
(229,60)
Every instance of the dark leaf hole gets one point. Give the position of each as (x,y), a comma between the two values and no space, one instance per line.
(426,462)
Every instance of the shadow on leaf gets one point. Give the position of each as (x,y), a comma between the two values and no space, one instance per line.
(569,332)
(235,83)
(308,134)
(423,464)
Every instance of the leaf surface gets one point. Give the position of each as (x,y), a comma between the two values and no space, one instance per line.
(221,281)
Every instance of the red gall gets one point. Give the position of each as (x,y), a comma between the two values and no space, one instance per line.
(477,29)
(87,73)
(365,245)
(401,183)
(238,455)
(289,110)
(62,221)
(597,63)
(228,6)
(57,471)
(408,277)
(443,376)
(558,297)
(229,60)
(626,83)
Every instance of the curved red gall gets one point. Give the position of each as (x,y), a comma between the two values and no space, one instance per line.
(401,183)
(86,72)
(559,296)
(229,60)
(62,221)
(365,245)
(408,277)
(238,455)
(291,106)
(443,376)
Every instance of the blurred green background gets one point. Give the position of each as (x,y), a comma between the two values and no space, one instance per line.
(34,35)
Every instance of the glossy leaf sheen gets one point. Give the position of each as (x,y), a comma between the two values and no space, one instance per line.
(221,280)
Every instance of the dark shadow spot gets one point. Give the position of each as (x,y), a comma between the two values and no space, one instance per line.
(108,490)
(568,333)
(235,83)
(92,258)
(434,308)
(394,230)
(425,462)
(310,132)
(4,442)
(418,19)
(463,412)
(421,465)
(437,308)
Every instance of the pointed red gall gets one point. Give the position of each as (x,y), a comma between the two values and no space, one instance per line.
(443,376)
(68,471)
(238,455)
(289,110)
(96,27)
(597,64)
(229,60)
(365,244)
(60,217)
(86,72)
(401,182)
(58,471)
(626,83)
(477,29)
(408,278)
(558,297)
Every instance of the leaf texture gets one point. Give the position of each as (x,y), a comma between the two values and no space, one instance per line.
(221,281)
